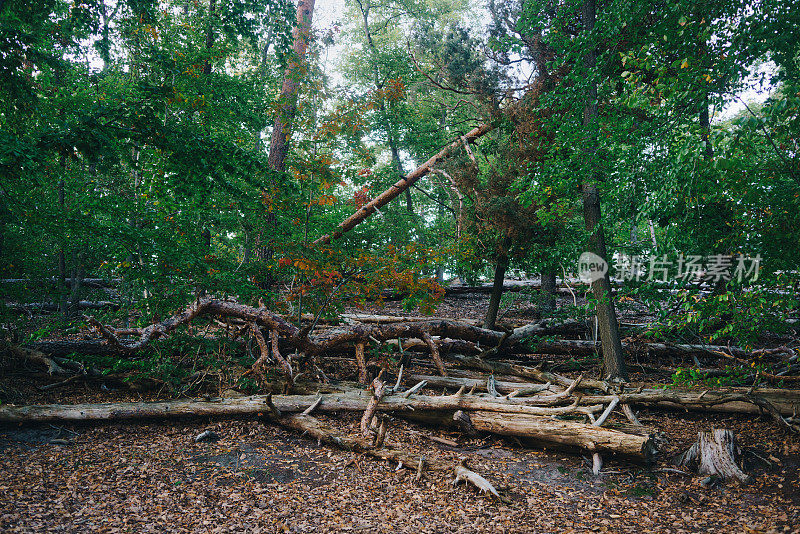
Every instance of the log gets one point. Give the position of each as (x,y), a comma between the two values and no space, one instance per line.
(27,354)
(714,454)
(386,319)
(548,432)
(577,346)
(314,428)
(249,405)
(480,384)
(786,402)
(474,362)
(569,434)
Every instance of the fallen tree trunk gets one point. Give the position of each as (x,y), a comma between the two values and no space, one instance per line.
(556,433)
(474,362)
(349,400)
(401,185)
(52,307)
(577,346)
(299,338)
(478,384)
(509,418)
(36,356)
(316,429)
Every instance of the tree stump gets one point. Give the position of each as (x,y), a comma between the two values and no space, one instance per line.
(714,454)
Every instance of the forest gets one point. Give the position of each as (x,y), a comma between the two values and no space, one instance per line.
(399,266)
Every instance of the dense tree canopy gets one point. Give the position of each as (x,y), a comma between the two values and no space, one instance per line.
(135,138)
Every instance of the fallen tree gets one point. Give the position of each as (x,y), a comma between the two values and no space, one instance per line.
(505,417)
(402,184)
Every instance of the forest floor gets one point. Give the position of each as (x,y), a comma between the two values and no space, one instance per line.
(153,477)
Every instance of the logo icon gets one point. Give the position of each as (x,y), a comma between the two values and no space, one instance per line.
(591,267)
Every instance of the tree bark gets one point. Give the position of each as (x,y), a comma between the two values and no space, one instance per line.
(613,356)
(523,421)
(714,454)
(548,296)
(565,434)
(497,291)
(279,143)
(292,76)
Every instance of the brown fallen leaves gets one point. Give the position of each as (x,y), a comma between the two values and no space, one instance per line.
(154,477)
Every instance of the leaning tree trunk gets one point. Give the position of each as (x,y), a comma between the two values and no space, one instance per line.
(613,356)
(401,185)
(497,292)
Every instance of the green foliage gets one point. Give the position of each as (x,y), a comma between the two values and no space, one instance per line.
(741,317)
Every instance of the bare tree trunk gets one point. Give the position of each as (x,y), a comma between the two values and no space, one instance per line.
(714,454)
(294,73)
(548,297)
(76,282)
(401,185)
(497,291)
(613,356)
(279,143)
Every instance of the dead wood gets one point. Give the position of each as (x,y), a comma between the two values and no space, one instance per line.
(401,185)
(349,400)
(784,402)
(377,389)
(714,454)
(463,473)
(480,384)
(474,362)
(314,428)
(549,432)
(577,346)
(261,362)
(363,376)
(386,319)
(437,359)
(32,355)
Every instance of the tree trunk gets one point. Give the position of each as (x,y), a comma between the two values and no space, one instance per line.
(548,297)
(76,283)
(292,76)
(401,185)
(279,143)
(714,454)
(62,264)
(497,291)
(565,434)
(523,421)
(613,356)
